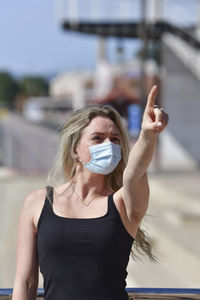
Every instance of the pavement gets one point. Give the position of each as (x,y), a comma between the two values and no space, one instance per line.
(172,220)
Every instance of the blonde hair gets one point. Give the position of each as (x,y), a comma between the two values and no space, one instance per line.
(64,167)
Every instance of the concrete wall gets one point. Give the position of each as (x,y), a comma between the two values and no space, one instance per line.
(181,99)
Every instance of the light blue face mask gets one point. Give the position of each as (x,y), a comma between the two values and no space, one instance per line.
(105,158)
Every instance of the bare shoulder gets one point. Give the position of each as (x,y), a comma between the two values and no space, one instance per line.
(33,204)
(34,198)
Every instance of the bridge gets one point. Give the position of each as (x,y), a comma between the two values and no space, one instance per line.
(159,25)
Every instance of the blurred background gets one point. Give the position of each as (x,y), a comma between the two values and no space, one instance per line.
(57,56)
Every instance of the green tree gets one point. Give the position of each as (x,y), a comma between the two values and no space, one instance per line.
(8,89)
(34,86)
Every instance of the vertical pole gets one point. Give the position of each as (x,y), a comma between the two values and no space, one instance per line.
(158,58)
(101,52)
(143,37)
(154,9)
(155,55)
(198,21)
(158,10)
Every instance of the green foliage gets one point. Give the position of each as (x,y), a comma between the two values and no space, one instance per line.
(8,89)
(12,89)
(34,86)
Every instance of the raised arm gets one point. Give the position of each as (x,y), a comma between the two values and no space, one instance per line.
(26,279)
(135,191)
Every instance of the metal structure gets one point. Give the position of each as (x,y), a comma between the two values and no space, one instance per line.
(141,19)
(134,294)
(150,21)
(123,18)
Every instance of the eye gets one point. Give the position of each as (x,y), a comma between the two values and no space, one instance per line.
(115,140)
(96,138)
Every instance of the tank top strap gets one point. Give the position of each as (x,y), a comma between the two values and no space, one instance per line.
(50,193)
(112,209)
(47,207)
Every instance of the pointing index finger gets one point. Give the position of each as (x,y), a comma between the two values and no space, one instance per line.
(152,97)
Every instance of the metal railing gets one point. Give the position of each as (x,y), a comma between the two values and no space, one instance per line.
(127,10)
(134,293)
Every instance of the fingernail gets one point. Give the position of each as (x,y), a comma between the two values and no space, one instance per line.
(159,124)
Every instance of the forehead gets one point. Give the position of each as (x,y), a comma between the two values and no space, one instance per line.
(100,124)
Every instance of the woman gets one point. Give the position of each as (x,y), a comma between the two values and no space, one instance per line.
(81,232)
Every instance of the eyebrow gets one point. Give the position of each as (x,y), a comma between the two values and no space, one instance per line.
(101,133)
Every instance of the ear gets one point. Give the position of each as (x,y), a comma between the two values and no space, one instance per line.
(75,152)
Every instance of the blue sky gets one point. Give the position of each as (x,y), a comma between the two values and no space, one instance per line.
(31,40)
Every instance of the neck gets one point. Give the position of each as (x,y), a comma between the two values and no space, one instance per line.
(88,184)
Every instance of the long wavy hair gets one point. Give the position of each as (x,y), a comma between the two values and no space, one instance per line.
(64,166)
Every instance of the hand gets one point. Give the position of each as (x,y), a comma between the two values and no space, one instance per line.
(154,119)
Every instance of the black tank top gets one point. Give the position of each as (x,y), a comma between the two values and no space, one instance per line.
(83,259)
